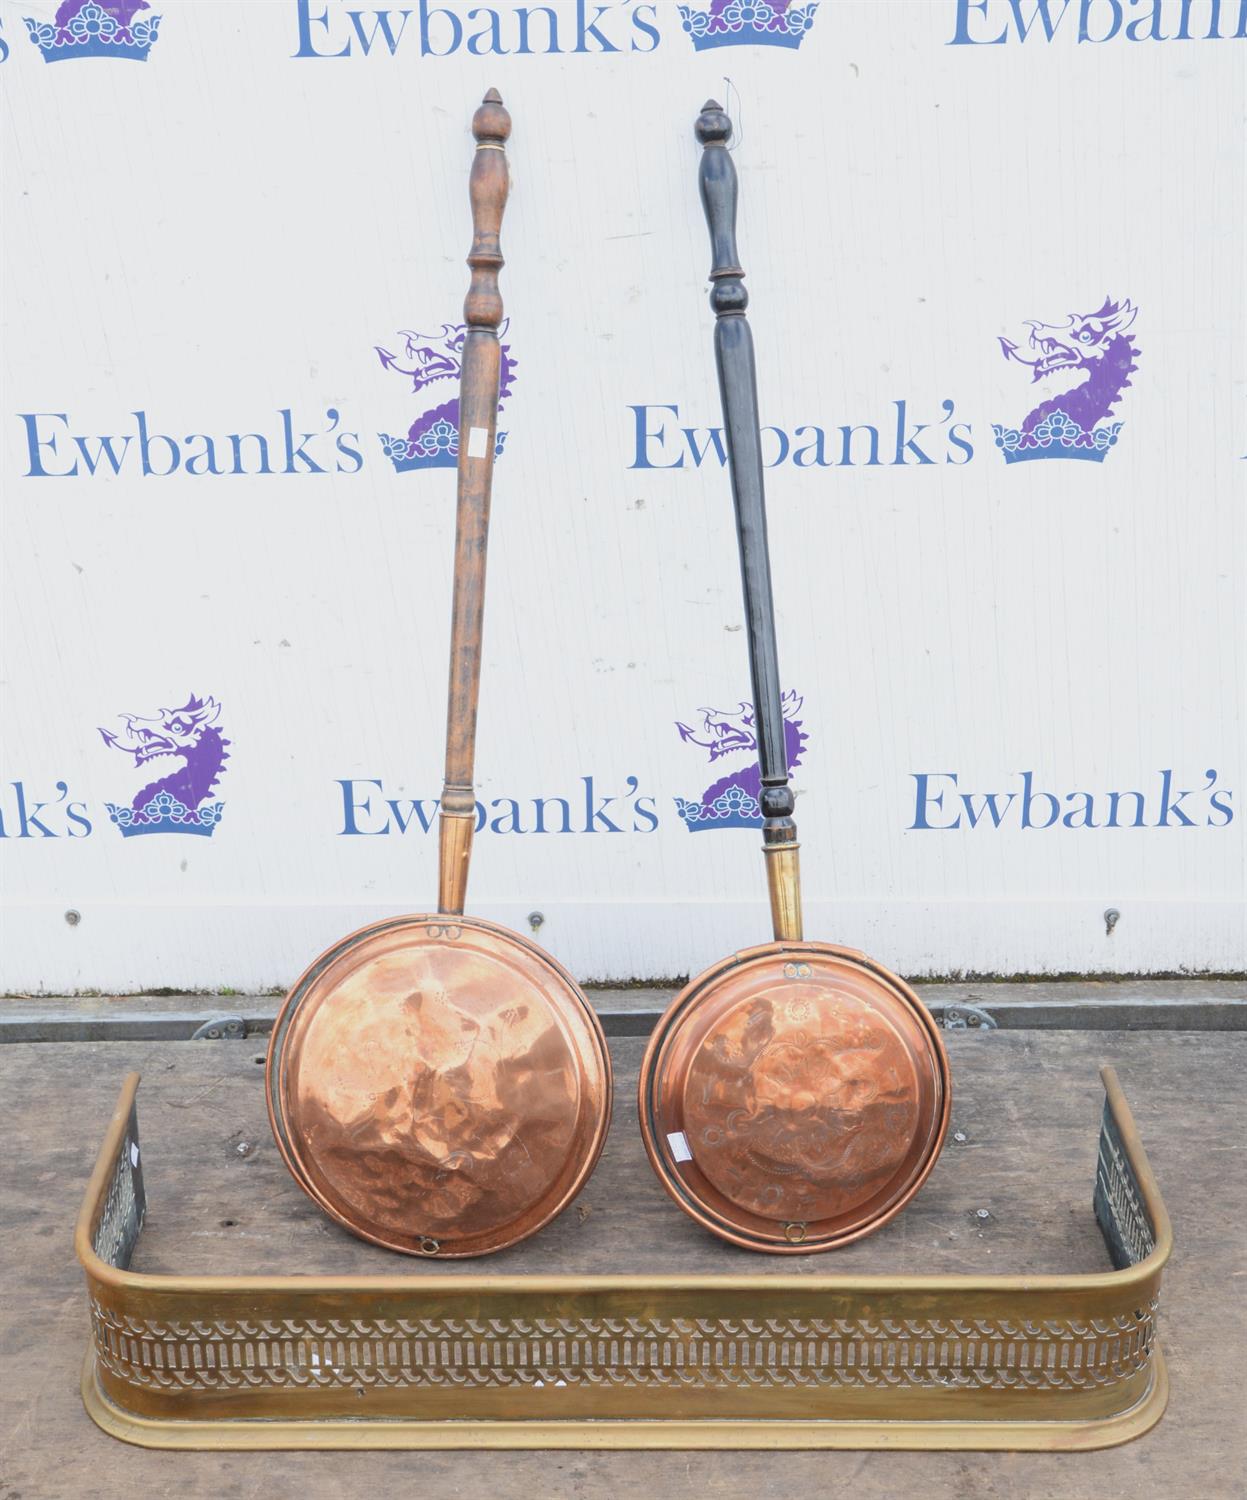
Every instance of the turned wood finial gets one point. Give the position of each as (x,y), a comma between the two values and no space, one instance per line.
(717,177)
(491,122)
(488,186)
(713,127)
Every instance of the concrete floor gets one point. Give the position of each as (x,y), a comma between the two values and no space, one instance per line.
(1026,1102)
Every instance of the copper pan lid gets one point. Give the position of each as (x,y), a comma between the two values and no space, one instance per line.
(439,1085)
(794,1097)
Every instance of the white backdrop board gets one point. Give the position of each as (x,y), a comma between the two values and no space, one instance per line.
(995,252)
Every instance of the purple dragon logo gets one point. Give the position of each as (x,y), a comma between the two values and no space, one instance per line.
(432,440)
(732,801)
(758,23)
(1090,357)
(95,28)
(178,802)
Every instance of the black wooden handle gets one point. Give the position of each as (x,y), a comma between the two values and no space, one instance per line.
(738,390)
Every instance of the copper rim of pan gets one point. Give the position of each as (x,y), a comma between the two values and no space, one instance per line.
(794,1097)
(517,1053)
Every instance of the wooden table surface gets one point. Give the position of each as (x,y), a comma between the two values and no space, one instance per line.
(1021,1148)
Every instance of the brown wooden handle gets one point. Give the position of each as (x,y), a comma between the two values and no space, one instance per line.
(488,185)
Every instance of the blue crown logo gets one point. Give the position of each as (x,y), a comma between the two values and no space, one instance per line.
(732,808)
(166,814)
(1095,350)
(437,447)
(432,440)
(740,23)
(1056,436)
(95,28)
(733,800)
(179,801)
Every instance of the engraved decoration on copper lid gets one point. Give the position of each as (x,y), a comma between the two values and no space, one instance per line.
(791,1103)
(442,1089)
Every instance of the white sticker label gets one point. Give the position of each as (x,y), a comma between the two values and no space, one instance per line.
(478,442)
(134,1154)
(678,1142)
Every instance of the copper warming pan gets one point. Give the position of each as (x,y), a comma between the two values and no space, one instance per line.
(795,1096)
(438,1084)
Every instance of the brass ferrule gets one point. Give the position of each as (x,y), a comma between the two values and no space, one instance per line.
(454,849)
(783,879)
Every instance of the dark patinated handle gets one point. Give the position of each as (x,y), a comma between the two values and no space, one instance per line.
(488,185)
(733,347)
